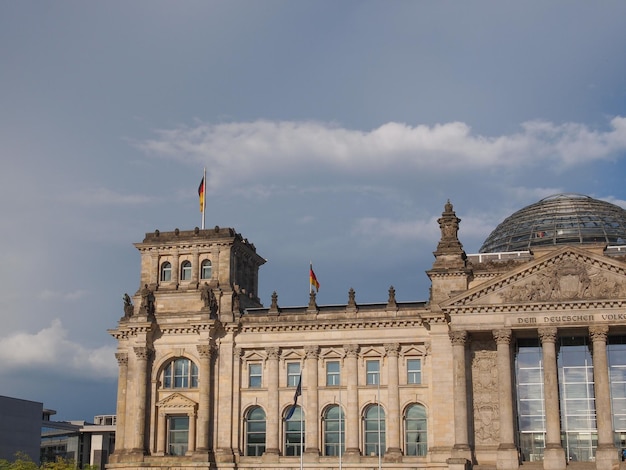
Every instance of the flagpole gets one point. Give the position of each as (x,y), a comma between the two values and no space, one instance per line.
(310,280)
(378,400)
(301,422)
(204,198)
(340,419)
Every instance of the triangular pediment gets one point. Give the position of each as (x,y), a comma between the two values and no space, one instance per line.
(176,400)
(569,274)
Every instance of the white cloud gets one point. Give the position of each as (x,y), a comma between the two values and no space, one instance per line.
(247,151)
(48,294)
(50,348)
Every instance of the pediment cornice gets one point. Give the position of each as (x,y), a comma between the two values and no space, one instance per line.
(569,278)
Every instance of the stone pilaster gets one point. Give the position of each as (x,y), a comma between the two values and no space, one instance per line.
(461,442)
(606,453)
(224,425)
(312,429)
(507,458)
(554,454)
(273,413)
(204,386)
(352,419)
(142,355)
(393,452)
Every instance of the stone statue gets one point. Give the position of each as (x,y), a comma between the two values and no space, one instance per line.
(128,306)
(208,299)
(147,300)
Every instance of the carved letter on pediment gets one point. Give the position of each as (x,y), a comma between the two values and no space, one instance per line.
(566,280)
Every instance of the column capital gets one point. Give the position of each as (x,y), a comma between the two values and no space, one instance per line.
(272,352)
(392,349)
(142,352)
(351,350)
(204,350)
(122,359)
(502,336)
(458,338)
(598,332)
(547,334)
(312,352)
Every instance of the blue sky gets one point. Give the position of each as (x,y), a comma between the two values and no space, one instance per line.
(332,132)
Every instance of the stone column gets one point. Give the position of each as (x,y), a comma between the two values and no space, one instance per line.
(176,267)
(507,452)
(461,442)
(606,453)
(312,435)
(394,452)
(139,430)
(554,454)
(191,439)
(204,387)
(195,266)
(352,452)
(120,428)
(273,412)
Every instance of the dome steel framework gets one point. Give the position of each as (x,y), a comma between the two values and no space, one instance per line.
(562,219)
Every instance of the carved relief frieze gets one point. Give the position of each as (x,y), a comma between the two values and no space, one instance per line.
(485,393)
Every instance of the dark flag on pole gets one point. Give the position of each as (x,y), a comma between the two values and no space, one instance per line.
(295,399)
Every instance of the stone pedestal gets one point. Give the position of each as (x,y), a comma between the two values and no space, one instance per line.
(554,457)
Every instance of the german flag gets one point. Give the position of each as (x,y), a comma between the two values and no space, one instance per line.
(313,279)
(201,194)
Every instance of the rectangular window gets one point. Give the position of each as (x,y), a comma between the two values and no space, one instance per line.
(373,372)
(293,374)
(255,377)
(414,371)
(178,435)
(333,375)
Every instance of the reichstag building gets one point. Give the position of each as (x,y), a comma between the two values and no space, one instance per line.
(517,358)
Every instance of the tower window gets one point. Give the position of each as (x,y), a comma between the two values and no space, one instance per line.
(166,271)
(185,271)
(207,269)
(180,373)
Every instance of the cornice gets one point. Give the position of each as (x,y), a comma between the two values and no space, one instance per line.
(536,307)
(322,326)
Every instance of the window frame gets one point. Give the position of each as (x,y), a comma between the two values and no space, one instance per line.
(257,447)
(333,378)
(372,377)
(185,270)
(165,274)
(205,266)
(173,377)
(340,444)
(414,375)
(419,448)
(368,443)
(172,432)
(293,378)
(252,375)
(291,427)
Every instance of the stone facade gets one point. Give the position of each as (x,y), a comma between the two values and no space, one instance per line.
(207,374)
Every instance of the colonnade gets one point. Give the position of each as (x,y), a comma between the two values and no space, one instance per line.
(554,454)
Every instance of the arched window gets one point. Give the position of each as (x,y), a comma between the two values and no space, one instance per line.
(185,271)
(166,271)
(294,432)
(334,431)
(415,430)
(207,269)
(255,431)
(374,431)
(180,373)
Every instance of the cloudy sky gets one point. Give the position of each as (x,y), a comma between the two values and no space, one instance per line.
(332,132)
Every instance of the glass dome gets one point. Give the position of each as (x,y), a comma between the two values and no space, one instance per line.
(562,219)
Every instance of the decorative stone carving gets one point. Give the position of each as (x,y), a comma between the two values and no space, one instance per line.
(351,350)
(547,334)
(122,359)
(485,395)
(312,352)
(142,353)
(598,333)
(392,349)
(273,353)
(502,336)
(204,350)
(567,279)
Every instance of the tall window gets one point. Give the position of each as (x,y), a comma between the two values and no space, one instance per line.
(180,373)
(166,271)
(294,433)
(177,435)
(531,412)
(255,431)
(185,271)
(414,371)
(206,270)
(255,376)
(333,376)
(373,372)
(374,431)
(334,431)
(293,374)
(415,430)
